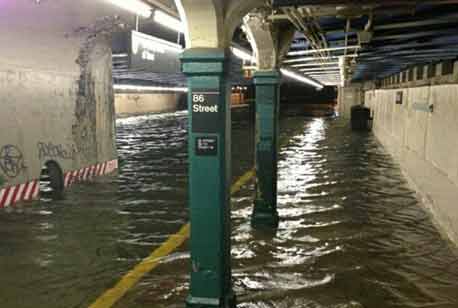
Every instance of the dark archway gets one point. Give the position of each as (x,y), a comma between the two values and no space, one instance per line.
(51,181)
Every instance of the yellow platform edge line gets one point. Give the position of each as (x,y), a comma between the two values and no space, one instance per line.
(128,281)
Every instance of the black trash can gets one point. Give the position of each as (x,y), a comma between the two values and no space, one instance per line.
(361,118)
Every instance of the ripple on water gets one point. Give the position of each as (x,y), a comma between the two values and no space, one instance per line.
(352,234)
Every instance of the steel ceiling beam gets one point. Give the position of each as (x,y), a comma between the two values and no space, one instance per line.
(415,35)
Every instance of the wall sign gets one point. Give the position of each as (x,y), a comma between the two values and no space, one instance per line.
(207,146)
(206,113)
(423,106)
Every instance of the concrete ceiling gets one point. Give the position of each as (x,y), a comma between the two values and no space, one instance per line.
(393,34)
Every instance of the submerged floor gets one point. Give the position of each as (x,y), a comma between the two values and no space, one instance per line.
(352,233)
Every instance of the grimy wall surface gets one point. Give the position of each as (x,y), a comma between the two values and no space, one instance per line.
(425,142)
(56,94)
(138,103)
(348,97)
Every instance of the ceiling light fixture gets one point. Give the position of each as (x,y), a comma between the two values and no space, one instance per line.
(135,6)
(246,56)
(243,55)
(168,21)
(301,78)
(126,87)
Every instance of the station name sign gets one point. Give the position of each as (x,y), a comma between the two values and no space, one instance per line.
(152,54)
(206,113)
(147,53)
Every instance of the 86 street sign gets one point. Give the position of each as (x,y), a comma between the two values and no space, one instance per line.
(206,113)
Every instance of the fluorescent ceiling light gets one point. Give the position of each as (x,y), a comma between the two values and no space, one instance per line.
(120,55)
(168,21)
(301,78)
(126,87)
(242,54)
(135,6)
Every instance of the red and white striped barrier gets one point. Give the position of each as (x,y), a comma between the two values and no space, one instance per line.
(88,173)
(23,192)
(30,191)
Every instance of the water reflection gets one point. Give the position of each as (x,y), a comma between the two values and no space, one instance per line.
(352,233)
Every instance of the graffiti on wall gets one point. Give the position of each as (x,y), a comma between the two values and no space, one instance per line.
(51,150)
(11,161)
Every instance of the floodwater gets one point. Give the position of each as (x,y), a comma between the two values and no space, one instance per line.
(352,234)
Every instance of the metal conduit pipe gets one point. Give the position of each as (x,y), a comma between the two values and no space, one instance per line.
(295,18)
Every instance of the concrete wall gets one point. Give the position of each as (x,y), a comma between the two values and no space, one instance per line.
(138,103)
(424,142)
(56,94)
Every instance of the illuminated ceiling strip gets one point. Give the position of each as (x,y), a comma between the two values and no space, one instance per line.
(135,6)
(122,87)
(120,55)
(246,56)
(301,78)
(243,55)
(313,51)
(168,21)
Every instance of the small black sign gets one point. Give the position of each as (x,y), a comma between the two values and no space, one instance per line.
(207,146)
(206,113)
(399,97)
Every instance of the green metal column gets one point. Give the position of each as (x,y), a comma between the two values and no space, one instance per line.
(267,129)
(209,178)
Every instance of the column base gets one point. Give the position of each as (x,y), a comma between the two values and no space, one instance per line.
(200,302)
(264,215)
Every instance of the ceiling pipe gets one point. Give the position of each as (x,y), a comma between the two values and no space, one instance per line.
(335,63)
(309,59)
(308,52)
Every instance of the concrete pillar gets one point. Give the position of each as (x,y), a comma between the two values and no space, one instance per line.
(210,24)
(56,90)
(209,178)
(270,45)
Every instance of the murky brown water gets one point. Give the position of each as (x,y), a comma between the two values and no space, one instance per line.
(352,233)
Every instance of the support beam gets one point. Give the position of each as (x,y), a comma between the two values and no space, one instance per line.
(209,178)
(267,116)
(270,45)
(210,26)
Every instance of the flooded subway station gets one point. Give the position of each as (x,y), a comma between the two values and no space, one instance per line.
(313,164)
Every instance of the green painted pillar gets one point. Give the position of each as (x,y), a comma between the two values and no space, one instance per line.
(209,178)
(267,130)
